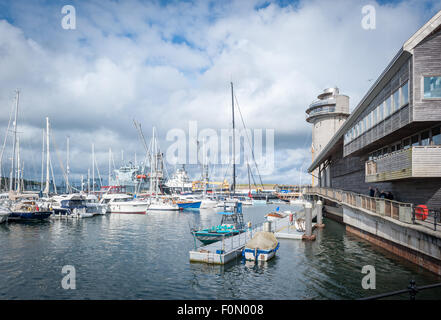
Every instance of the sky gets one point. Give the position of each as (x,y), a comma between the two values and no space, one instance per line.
(167,63)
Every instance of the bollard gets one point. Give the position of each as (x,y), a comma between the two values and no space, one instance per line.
(308,223)
(320,215)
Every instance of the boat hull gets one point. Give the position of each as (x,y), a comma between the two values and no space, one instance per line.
(30,216)
(260,254)
(189,205)
(211,237)
(122,208)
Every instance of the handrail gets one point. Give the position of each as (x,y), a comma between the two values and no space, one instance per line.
(412,289)
(401,211)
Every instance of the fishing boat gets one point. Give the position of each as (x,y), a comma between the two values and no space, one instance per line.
(123,203)
(262,247)
(4,214)
(231,224)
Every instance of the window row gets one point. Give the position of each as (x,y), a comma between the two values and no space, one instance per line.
(393,103)
(425,138)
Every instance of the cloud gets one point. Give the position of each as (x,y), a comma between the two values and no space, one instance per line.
(166,64)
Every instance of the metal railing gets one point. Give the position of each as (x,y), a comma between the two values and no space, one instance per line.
(389,208)
(401,211)
(431,220)
(412,289)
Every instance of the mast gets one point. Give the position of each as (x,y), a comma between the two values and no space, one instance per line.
(67,166)
(93,168)
(110,159)
(88,181)
(234,142)
(46,189)
(14,142)
(17,181)
(42,162)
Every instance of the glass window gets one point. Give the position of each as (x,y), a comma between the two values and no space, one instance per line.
(414,140)
(392,149)
(396,101)
(370,120)
(405,94)
(432,87)
(365,127)
(425,138)
(436,136)
(398,146)
(374,116)
(388,107)
(380,112)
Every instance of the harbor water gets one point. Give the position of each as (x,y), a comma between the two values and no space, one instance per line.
(147,257)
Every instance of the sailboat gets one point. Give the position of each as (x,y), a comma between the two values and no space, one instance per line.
(232,219)
(156,174)
(24,207)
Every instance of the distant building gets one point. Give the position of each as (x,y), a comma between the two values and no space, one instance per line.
(392,140)
(327,114)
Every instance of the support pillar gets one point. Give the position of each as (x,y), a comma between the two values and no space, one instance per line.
(319,208)
(308,223)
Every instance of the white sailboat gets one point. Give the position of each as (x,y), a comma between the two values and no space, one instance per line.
(154,201)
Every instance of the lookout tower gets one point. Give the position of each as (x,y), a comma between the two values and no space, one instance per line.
(326,114)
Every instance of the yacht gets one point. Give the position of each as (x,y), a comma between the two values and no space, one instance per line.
(94,206)
(123,203)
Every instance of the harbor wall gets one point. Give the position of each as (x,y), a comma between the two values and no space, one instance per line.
(418,245)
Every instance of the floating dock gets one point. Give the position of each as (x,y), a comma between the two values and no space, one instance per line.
(224,251)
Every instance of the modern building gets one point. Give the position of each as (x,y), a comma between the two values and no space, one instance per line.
(326,114)
(392,141)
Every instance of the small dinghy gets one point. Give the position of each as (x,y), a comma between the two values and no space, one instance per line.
(263,246)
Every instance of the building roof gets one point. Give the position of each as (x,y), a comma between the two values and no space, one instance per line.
(432,26)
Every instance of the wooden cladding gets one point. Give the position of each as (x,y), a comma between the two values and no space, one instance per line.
(415,162)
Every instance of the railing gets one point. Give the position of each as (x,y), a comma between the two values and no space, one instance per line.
(429,219)
(389,208)
(412,289)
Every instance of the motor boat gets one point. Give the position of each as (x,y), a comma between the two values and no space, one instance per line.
(123,203)
(231,224)
(93,205)
(262,247)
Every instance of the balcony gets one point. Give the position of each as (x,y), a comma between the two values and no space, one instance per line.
(415,162)
(319,103)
